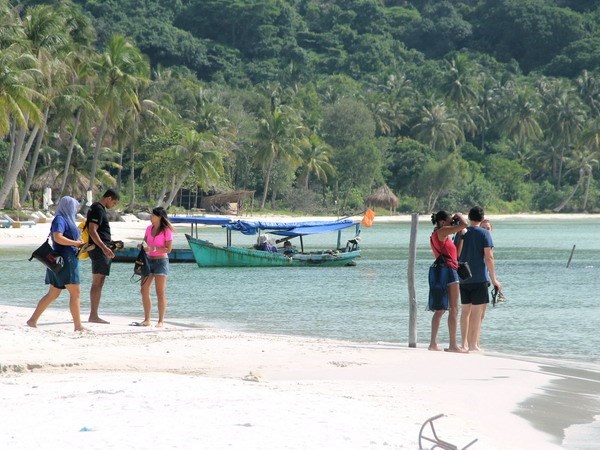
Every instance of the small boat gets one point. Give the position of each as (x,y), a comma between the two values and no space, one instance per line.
(208,254)
(177,255)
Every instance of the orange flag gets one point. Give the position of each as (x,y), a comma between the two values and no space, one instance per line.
(368,218)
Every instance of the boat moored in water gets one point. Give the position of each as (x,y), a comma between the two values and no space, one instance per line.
(207,254)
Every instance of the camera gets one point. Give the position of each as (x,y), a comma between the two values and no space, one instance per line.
(455,221)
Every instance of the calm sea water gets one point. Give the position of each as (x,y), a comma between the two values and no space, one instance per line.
(552,311)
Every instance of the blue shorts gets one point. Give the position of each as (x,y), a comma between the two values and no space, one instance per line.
(451,274)
(159,266)
(68,275)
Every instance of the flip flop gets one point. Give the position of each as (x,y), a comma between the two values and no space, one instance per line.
(137,324)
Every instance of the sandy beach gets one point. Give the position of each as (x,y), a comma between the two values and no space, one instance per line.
(123,387)
(119,386)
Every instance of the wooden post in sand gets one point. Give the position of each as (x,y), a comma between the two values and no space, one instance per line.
(412,296)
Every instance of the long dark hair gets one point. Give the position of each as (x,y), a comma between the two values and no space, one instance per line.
(161,212)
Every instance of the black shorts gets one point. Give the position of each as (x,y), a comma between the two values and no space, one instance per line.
(100,264)
(474,294)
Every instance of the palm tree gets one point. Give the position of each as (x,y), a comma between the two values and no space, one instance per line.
(121,69)
(438,128)
(521,115)
(75,109)
(583,161)
(588,87)
(196,157)
(590,140)
(565,116)
(487,103)
(279,136)
(459,80)
(137,118)
(315,160)
(77,172)
(17,91)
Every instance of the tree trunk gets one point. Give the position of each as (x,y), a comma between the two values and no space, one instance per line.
(176,186)
(266,188)
(18,162)
(132,172)
(568,199)
(34,156)
(63,183)
(161,195)
(587,188)
(120,169)
(97,152)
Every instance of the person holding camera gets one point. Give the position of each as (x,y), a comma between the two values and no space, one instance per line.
(477,250)
(442,245)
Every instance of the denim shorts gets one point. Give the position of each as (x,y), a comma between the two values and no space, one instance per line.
(159,266)
(451,274)
(68,275)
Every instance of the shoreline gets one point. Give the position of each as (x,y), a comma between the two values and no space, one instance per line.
(132,229)
(248,389)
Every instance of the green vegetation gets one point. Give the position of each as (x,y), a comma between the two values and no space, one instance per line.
(313,104)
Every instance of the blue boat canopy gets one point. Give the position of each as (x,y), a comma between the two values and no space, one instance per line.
(200,220)
(292,229)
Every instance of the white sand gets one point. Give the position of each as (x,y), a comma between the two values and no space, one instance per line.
(182,387)
(124,387)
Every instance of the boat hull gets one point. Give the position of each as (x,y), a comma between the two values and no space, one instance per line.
(177,255)
(207,254)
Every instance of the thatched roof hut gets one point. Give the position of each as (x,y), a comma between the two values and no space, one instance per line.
(76,186)
(228,202)
(383,197)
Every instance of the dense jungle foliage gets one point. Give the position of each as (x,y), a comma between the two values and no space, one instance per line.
(315,104)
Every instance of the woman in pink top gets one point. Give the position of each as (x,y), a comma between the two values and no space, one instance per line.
(159,243)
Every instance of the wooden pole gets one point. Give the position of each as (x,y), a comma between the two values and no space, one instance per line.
(570,257)
(412,295)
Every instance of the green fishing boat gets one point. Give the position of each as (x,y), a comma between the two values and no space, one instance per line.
(208,254)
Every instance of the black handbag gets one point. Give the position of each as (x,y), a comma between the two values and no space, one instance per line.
(48,257)
(141,267)
(464,270)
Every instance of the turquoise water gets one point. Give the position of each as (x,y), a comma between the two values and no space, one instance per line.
(552,311)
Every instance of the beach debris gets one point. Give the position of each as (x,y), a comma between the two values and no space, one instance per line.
(439,443)
(253,376)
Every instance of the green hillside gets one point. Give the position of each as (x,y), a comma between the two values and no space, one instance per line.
(312,104)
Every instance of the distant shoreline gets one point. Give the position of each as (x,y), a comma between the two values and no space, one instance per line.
(132,227)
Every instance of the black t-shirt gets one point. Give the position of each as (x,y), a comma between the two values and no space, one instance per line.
(97,214)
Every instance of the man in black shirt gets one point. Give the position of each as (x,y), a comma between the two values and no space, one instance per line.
(102,255)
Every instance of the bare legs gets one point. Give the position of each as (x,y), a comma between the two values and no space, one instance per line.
(470,325)
(160,284)
(453,295)
(435,326)
(477,312)
(95,294)
(465,314)
(52,294)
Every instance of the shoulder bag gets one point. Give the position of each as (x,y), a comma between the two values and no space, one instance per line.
(48,256)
